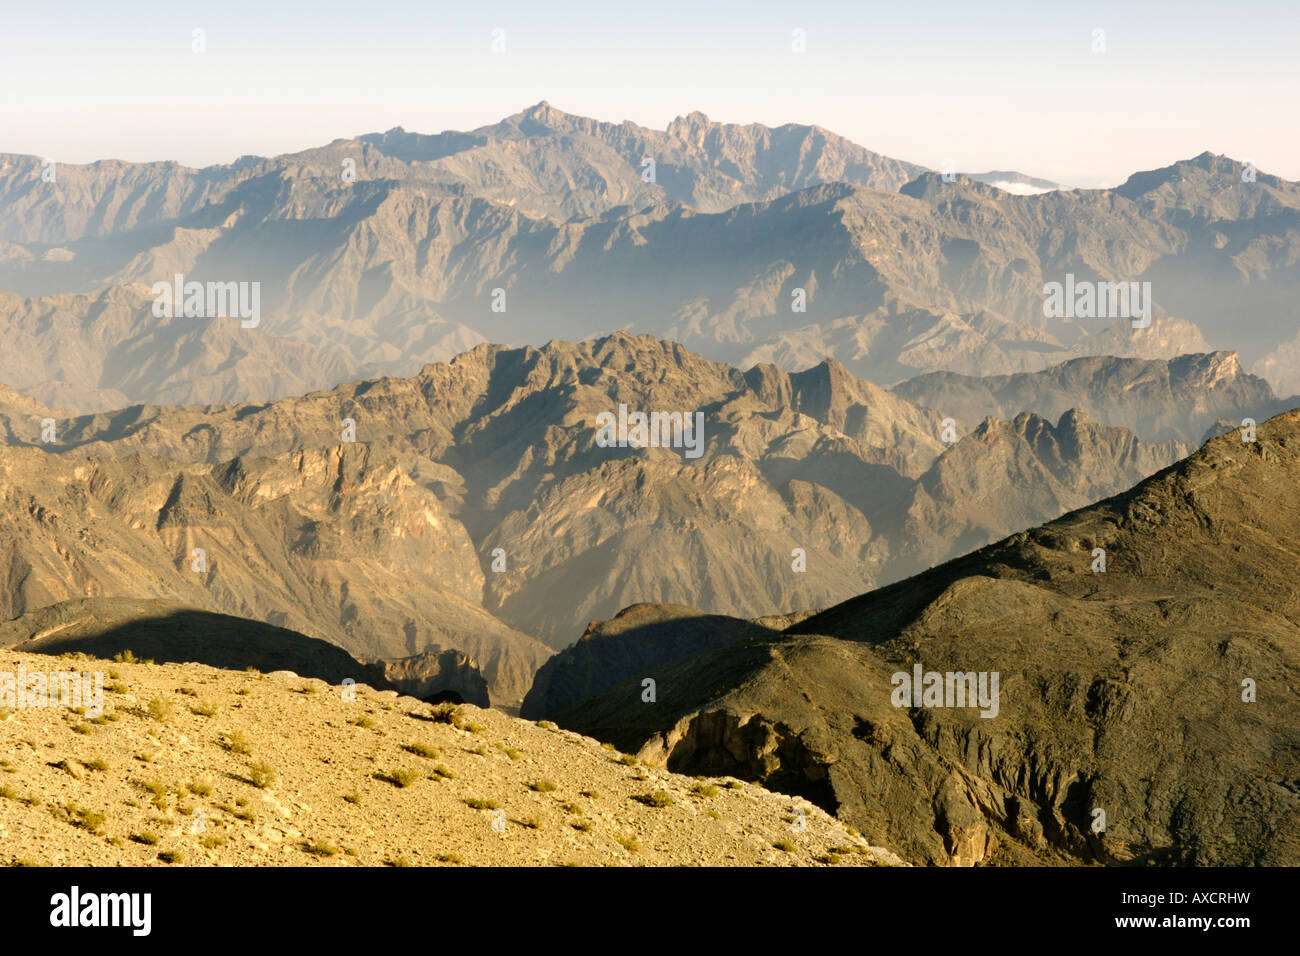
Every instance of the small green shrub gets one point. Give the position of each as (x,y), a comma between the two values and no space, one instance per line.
(161,710)
(659,798)
(421,750)
(401,777)
(446,713)
(87,820)
(261,774)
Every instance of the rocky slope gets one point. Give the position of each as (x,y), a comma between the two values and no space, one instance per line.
(336,542)
(1160,692)
(190,765)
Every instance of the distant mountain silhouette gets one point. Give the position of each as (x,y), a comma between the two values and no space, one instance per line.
(748,244)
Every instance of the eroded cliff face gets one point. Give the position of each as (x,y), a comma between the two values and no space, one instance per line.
(968,800)
(965,814)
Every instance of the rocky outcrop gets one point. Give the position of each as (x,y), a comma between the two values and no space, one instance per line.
(437,672)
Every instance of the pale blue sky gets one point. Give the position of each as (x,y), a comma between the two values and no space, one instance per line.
(989,85)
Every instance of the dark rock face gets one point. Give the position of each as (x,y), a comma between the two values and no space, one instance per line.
(437,675)
(1147,713)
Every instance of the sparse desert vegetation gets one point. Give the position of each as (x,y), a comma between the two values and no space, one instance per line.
(284,778)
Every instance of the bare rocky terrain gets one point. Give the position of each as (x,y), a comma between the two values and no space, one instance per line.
(1161,691)
(393,483)
(191,765)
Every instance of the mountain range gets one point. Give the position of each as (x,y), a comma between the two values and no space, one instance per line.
(471,509)
(786,246)
(415,463)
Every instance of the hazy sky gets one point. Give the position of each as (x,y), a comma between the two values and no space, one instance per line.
(989,85)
